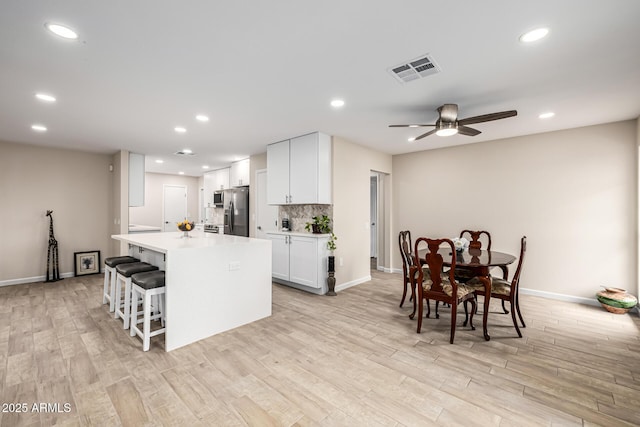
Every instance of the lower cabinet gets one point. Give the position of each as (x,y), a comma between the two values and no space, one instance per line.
(300,261)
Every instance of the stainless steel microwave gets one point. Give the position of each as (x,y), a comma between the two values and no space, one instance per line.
(218,199)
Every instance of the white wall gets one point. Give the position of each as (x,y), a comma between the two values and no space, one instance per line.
(352,166)
(152,211)
(573,193)
(77,186)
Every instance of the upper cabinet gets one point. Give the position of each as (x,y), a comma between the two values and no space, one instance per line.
(299,170)
(239,173)
(214,181)
(220,179)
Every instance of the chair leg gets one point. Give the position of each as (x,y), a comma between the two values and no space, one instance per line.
(466,313)
(419,316)
(428,308)
(473,309)
(454,309)
(404,292)
(513,317)
(518,310)
(505,308)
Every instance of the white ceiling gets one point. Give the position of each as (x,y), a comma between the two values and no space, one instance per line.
(264,71)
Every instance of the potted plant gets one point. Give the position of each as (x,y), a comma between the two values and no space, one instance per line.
(322,225)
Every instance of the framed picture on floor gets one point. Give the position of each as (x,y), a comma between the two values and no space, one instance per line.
(86,263)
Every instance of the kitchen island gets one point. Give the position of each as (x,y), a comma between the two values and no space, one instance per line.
(213,282)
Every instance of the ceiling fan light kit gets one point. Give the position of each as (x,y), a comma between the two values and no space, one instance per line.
(447,129)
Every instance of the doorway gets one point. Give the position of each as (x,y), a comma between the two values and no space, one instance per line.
(373,215)
(174,206)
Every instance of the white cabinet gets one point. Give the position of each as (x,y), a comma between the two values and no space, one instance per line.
(300,261)
(214,181)
(221,179)
(239,174)
(299,170)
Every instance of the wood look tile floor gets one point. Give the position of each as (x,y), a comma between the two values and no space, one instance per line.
(349,360)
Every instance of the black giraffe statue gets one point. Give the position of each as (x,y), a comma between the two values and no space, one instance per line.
(52,253)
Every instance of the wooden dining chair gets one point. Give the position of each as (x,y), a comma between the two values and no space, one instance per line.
(476,240)
(504,290)
(435,284)
(404,242)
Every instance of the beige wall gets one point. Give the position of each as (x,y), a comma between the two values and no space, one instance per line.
(77,186)
(352,166)
(573,193)
(152,211)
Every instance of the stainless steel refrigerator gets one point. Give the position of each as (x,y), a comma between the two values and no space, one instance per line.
(236,211)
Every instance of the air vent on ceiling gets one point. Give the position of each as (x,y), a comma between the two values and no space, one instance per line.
(184,153)
(415,69)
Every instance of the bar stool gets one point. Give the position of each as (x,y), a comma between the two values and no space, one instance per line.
(123,274)
(144,286)
(110,265)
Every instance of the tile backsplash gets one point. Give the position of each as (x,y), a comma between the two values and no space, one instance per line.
(299,215)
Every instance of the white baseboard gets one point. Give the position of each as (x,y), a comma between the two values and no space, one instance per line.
(563,297)
(30,279)
(346,285)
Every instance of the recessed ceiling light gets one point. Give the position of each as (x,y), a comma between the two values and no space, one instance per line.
(337,103)
(205,167)
(547,115)
(180,173)
(62,31)
(179,129)
(39,128)
(187,151)
(45,97)
(159,161)
(202,118)
(534,35)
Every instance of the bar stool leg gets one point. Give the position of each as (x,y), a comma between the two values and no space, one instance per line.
(106,291)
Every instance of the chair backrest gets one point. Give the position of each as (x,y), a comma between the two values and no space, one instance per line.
(404,241)
(434,260)
(516,276)
(475,242)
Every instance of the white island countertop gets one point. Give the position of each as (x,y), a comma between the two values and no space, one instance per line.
(175,240)
(214,282)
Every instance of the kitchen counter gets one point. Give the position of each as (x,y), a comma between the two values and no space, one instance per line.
(214,282)
(297,233)
(135,228)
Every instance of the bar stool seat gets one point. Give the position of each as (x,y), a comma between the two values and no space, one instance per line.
(123,274)
(144,286)
(110,264)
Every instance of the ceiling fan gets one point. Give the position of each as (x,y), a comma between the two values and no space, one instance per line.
(448,123)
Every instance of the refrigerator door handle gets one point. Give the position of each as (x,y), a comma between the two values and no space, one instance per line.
(231,216)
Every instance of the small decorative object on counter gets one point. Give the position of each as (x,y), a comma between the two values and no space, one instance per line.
(616,300)
(186,226)
(460,243)
(320,225)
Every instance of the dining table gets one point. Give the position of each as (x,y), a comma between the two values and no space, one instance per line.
(479,262)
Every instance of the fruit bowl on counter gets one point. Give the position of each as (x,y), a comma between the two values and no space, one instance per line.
(186,227)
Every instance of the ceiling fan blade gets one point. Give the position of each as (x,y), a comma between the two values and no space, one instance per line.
(448,112)
(488,117)
(464,130)
(426,134)
(408,126)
